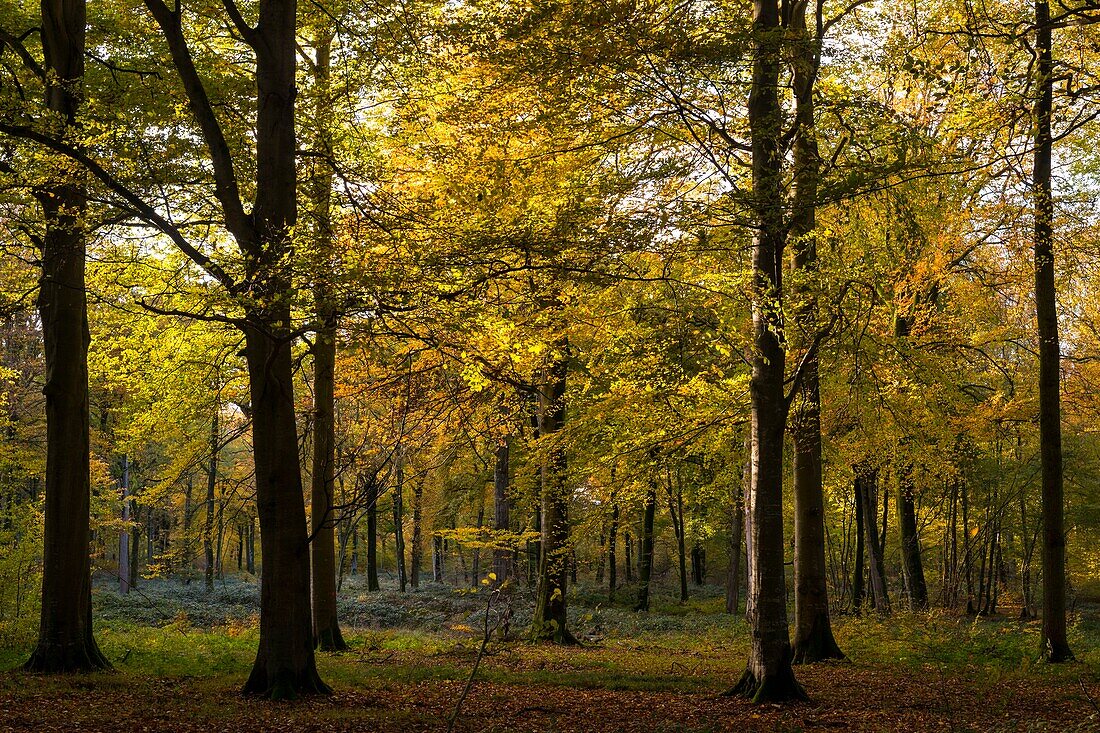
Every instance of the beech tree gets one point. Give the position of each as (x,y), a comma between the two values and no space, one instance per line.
(769,675)
(1055,645)
(65,640)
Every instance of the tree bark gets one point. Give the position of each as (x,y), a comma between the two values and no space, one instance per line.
(124,535)
(645,558)
(285,664)
(676,512)
(738,534)
(551,612)
(910,543)
(416,553)
(813,636)
(211,485)
(1055,643)
(326,625)
(879,595)
(857,564)
(65,640)
(612,560)
(769,676)
(399,521)
(372,536)
(502,523)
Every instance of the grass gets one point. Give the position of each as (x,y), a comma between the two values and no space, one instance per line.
(202,647)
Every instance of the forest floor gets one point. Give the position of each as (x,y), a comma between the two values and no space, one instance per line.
(663,671)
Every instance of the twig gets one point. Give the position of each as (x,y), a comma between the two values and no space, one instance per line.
(1088,697)
(486,636)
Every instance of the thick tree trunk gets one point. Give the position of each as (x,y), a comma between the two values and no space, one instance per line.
(65,641)
(502,523)
(911,564)
(285,663)
(1055,644)
(645,558)
(769,676)
(551,612)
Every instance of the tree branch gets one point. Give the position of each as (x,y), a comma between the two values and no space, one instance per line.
(140,207)
(226,189)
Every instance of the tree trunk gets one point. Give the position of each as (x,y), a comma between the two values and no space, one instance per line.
(399,521)
(502,555)
(629,565)
(746,521)
(326,624)
(124,535)
(186,558)
(437,558)
(910,543)
(416,553)
(769,676)
(134,547)
(612,560)
(879,596)
(733,574)
(251,567)
(65,641)
(813,636)
(534,547)
(698,564)
(645,559)
(551,614)
(285,663)
(676,511)
(738,536)
(372,536)
(1055,643)
(857,562)
(475,570)
(211,485)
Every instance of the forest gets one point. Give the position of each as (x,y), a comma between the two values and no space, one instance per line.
(549,365)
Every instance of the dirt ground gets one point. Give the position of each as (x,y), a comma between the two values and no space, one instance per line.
(845,697)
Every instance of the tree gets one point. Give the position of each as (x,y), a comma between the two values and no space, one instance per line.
(284,663)
(65,640)
(769,676)
(813,638)
(1055,645)
(551,617)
